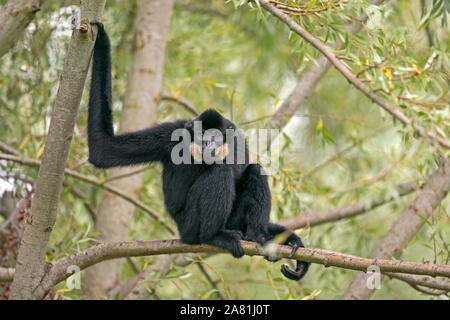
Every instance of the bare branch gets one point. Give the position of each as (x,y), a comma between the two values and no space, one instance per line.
(185,103)
(113,250)
(425,290)
(342,152)
(423,281)
(4,147)
(345,212)
(87,205)
(136,288)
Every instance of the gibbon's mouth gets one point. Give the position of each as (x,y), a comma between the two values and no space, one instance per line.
(210,154)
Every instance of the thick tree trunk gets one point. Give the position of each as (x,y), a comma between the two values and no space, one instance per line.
(144,86)
(406,227)
(39,224)
(15,16)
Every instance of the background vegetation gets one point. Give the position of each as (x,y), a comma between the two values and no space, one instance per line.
(338,148)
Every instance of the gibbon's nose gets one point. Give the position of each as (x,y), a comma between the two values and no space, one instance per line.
(209,146)
(205,144)
(208,142)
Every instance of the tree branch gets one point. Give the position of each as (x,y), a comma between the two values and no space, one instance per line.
(404,229)
(4,147)
(15,16)
(138,288)
(185,103)
(352,79)
(423,281)
(86,204)
(345,212)
(113,250)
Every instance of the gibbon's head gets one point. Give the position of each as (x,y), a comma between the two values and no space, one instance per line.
(209,132)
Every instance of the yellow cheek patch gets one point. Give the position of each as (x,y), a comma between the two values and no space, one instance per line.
(196,152)
(221,152)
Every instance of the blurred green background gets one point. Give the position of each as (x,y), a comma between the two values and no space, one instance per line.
(244,63)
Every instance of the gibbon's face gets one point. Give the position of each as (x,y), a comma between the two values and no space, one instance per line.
(209,132)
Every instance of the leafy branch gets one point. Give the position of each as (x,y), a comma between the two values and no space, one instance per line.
(351,78)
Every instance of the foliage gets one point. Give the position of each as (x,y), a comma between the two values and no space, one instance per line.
(240,60)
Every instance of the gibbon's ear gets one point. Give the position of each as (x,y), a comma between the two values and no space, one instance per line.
(189,125)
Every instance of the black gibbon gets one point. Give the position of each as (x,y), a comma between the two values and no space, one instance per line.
(211,202)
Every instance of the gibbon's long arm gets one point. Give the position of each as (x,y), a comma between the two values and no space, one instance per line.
(106,149)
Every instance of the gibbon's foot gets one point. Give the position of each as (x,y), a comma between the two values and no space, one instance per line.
(256,237)
(300,269)
(294,249)
(228,240)
(236,249)
(262,241)
(291,255)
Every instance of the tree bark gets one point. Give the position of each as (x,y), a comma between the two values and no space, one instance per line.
(139,112)
(406,227)
(39,224)
(15,16)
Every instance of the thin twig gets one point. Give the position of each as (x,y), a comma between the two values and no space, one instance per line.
(346,212)
(210,280)
(441,284)
(188,105)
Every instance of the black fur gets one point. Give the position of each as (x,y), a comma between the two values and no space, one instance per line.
(217,204)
